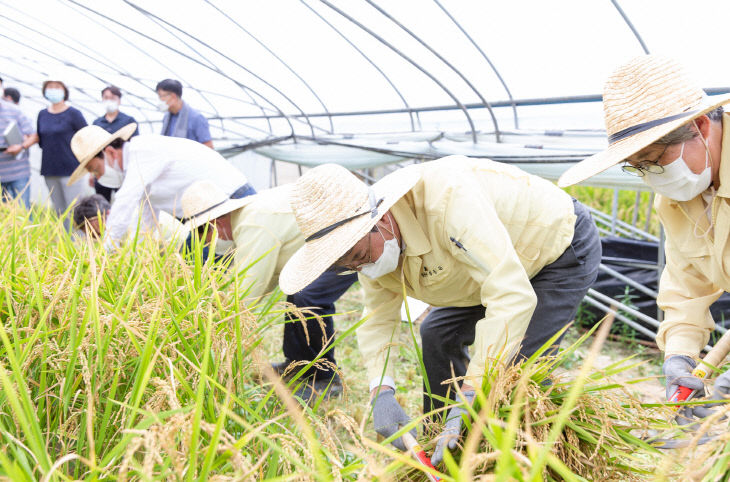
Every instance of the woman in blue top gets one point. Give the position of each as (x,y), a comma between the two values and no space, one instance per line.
(56,125)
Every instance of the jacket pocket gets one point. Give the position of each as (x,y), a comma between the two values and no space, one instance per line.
(529,253)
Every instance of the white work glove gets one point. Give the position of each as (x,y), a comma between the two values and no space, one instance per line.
(452,429)
(389,417)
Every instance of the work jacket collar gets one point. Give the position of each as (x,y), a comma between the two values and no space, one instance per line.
(411,232)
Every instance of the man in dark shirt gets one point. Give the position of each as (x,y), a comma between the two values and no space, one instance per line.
(112,120)
(180,119)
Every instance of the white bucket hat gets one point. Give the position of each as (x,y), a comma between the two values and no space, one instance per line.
(643,100)
(204,201)
(90,140)
(334,210)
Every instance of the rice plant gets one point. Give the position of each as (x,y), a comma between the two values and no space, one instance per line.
(141,365)
(628,209)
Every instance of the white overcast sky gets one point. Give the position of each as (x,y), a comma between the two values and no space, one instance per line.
(542,48)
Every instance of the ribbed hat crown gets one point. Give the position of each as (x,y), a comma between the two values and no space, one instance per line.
(647,88)
(200,196)
(325,195)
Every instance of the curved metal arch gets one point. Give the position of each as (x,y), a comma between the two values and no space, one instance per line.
(141,34)
(85,91)
(631,26)
(53,39)
(37,99)
(266,109)
(101,79)
(155,59)
(2,34)
(442,59)
(412,62)
(368,59)
(261,79)
(164,25)
(287,66)
(493,67)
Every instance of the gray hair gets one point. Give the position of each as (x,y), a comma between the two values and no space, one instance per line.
(686,132)
(89,208)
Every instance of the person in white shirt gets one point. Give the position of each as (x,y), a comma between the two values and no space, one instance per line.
(151,172)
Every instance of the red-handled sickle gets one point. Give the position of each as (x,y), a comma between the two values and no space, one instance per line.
(419,454)
(703,370)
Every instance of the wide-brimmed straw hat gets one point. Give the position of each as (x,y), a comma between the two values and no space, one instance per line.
(643,100)
(90,140)
(204,201)
(334,210)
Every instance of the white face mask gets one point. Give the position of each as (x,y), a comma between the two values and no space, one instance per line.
(112,177)
(110,106)
(162,106)
(386,263)
(223,246)
(678,182)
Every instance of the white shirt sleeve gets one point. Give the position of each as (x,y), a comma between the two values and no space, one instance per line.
(139,173)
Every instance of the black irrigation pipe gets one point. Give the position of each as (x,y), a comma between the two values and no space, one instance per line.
(273,54)
(368,59)
(444,61)
(412,62)
(493,67)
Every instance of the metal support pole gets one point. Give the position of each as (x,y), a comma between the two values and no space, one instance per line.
(631,311)
(614,211)
(627,280)
(635,215)
(661,262)
(622,318)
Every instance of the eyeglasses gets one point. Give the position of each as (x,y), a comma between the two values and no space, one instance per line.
(352,264)
(642,168)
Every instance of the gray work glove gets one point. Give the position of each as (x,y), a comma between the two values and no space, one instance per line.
(389,417)
(720,392)
(452,429)
(722,387)
(678,371)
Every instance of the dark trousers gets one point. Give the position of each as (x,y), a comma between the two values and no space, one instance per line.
(559,286)
(305,339)
(104,191)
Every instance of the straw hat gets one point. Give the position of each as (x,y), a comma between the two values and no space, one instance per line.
(643,101)
(90,140)
(204,201)
(334,210)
